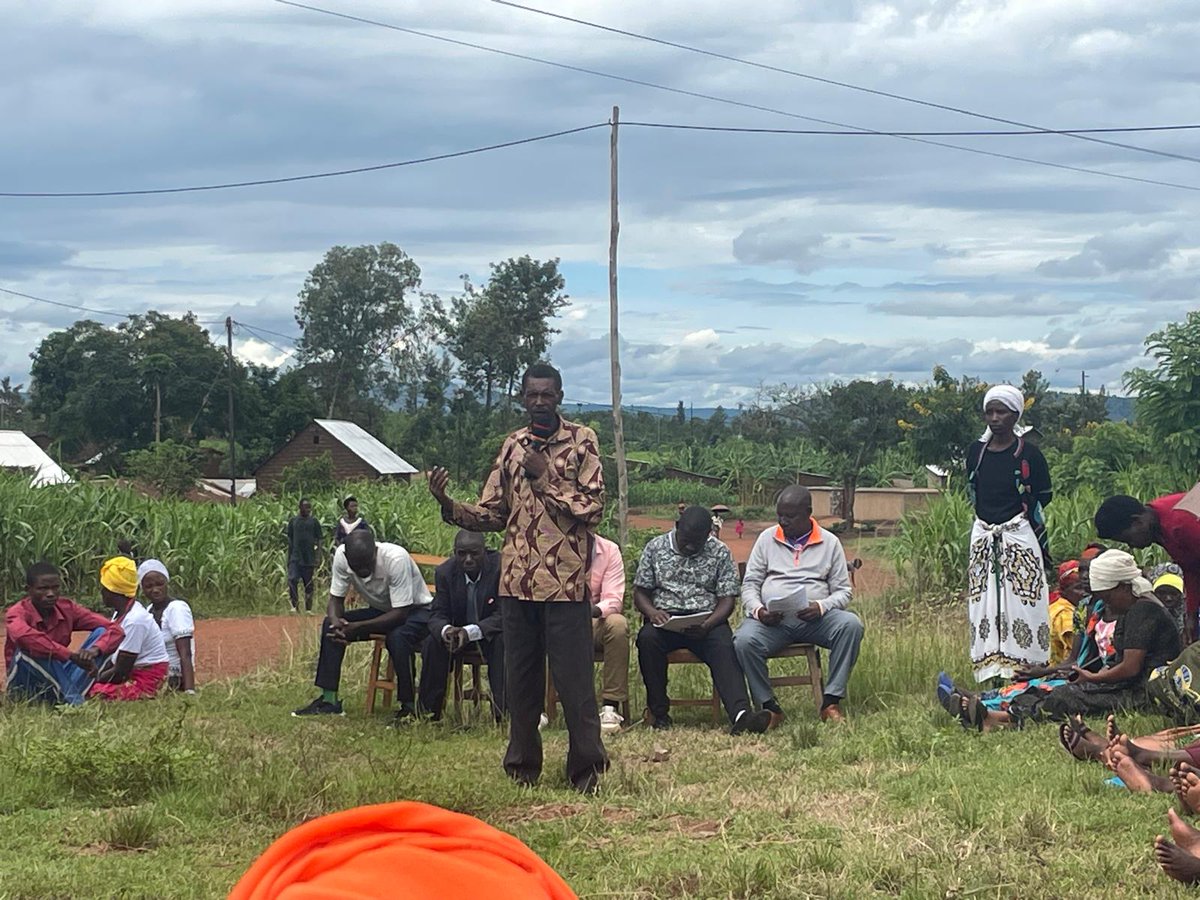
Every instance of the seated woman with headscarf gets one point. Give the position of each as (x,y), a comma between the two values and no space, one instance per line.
(1144,639)
(174,618)
(139,667)
(1067,648)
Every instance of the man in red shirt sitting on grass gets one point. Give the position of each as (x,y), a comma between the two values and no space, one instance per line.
(37,650)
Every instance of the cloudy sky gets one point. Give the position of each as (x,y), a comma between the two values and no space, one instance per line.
(744,257)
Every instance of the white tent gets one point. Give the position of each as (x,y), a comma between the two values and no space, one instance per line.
(18,451)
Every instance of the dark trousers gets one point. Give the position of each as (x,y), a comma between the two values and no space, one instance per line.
(435,669)
(560,631)
(296,574)
(402,642)
(715,649)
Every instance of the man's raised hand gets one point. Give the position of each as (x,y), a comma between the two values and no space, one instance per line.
(439,480)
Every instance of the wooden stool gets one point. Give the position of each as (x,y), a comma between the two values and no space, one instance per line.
(472,658)
(387,683)
(682,657)
(813,677)
(551,702)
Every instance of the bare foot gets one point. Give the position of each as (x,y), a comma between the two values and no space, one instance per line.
(1137,778)
(1111,729)
(1187,837)
(1188,788)
(1177,862)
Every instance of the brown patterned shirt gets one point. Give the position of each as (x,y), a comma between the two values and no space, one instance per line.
(549,522)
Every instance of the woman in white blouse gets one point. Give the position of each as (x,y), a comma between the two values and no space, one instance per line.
(174,618)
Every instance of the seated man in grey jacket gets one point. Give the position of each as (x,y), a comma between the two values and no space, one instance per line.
(791,565)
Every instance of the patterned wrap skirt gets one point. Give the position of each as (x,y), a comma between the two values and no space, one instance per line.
(1007,599)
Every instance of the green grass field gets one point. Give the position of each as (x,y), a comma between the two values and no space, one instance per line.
(175,798)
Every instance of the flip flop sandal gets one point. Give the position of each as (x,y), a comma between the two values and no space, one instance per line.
(974,714)
(1065,733)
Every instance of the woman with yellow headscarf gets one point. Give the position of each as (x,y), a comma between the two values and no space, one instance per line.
(139,667)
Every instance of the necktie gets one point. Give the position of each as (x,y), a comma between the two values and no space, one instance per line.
(472,603)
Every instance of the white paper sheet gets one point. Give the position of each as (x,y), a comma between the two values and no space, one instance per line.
(682,623)
(791,604)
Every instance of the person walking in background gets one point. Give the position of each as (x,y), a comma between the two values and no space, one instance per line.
(348,522)
(610,630)
(304,546)
(465,611)
(1163,522)
(740,528)
(174,618)
(797,559)
(38,658)
(1008,483)
(546,493)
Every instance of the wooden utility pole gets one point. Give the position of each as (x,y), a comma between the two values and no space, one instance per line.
(614,343)
(232,443)
(157,412)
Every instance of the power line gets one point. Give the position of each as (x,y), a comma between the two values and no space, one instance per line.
(842,84)
(278,334)
(87,309)
(253,329)
(729,101)
(860,133)
(254,333)
(309,177)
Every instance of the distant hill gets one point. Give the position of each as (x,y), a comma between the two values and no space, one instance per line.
(667,412)
(1119,409)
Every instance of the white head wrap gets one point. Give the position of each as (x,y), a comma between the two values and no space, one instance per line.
(1114,567)
(1011,397)
(152,565)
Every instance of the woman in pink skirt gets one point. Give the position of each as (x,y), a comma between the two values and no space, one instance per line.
(138,668)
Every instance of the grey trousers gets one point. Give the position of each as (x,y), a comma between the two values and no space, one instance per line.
(838,631)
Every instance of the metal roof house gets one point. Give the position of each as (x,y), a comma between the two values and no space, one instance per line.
(355,454)
(18,451)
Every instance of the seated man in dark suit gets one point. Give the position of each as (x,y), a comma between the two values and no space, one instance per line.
(465,611)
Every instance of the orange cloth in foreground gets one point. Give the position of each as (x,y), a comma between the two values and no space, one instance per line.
(405,849)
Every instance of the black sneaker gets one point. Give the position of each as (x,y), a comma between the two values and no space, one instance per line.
(320,707)
(756,721)
(661,723)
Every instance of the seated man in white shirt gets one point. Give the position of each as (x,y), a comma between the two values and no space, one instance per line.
(797,554)
(385,577)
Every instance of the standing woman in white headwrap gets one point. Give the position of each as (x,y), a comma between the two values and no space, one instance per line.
(174,618)
(1008,482)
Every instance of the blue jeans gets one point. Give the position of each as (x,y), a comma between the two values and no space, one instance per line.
(839,631)
(45,680)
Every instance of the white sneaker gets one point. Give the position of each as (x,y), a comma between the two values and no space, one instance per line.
(542,721)
(610,720)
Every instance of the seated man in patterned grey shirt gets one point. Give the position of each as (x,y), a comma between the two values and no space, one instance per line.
(684,573)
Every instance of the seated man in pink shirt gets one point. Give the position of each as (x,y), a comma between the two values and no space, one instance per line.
(610,629)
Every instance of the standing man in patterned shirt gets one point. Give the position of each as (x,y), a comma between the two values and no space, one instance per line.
(687,572)
(546,493)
